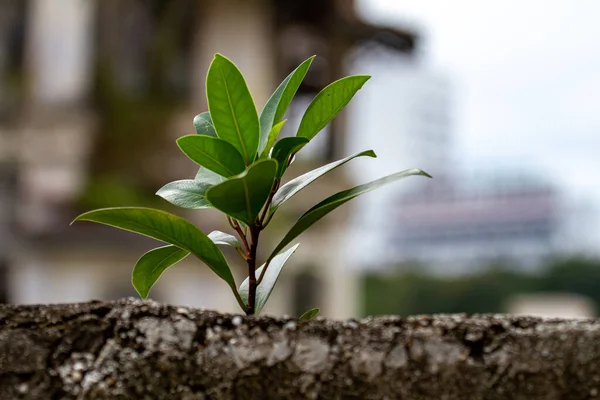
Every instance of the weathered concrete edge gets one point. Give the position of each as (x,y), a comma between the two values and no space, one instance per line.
(132,349)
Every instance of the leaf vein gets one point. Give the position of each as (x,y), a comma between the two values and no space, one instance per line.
(237,128)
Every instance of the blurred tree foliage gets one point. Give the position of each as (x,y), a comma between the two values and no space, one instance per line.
(406,291)
(141,77)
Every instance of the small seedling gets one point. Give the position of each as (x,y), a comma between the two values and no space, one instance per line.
(241,165)
(310,314)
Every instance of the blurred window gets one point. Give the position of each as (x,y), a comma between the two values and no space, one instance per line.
(3,281)
(145,46)
(12,46)
(8,183)
(306,292)
(8,188)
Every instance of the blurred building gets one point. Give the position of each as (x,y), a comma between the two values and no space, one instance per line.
(405,115)
(455,229)
(92,96)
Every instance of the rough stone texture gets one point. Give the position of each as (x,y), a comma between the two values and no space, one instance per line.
(145,350)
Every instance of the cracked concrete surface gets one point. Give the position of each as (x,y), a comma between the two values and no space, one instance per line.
(134,349)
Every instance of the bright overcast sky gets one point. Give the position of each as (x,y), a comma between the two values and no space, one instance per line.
(527,81)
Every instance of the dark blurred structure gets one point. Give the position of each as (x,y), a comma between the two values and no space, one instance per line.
(93,95)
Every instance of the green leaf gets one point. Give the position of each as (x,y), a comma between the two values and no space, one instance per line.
(212,153)
(231,107)
(297,184)
(272,138)
(331,203)
(204,125)
(151,266)
(285,148)
(279,101)
(243,196)
(328,103)
(310,314)
(207,176)
(165,227)
(263,291)
(223,238)
(186,193)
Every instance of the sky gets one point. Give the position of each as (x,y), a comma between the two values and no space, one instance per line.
(526,77)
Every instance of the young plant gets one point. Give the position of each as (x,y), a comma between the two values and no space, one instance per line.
(241,165)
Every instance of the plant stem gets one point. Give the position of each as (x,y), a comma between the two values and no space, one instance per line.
(268,204)
(262,274)
(254,233)
(230,220)
(251,259)
(236,226)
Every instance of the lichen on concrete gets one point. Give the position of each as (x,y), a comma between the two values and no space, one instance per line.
(134,349)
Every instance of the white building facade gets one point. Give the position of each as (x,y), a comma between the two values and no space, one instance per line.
(404,114)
